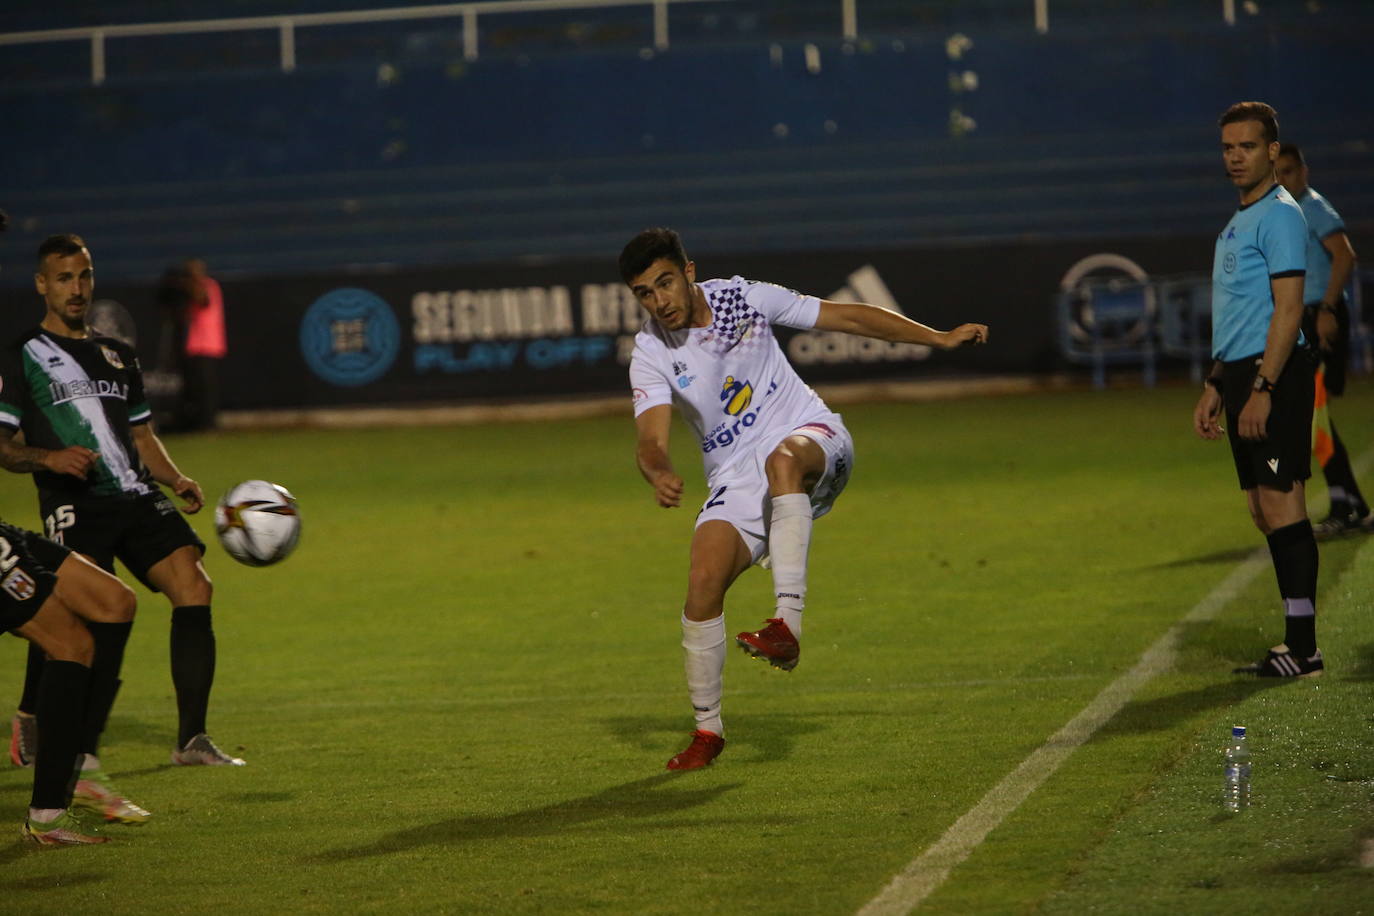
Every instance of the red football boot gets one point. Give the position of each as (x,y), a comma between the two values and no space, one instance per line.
(705,747)
(775,643)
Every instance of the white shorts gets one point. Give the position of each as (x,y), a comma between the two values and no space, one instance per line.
(740,496)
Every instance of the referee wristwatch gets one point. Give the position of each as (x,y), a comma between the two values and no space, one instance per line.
(1263,384)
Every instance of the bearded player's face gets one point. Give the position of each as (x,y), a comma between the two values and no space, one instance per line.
(66,283)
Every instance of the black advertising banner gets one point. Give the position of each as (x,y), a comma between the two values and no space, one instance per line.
(509,332)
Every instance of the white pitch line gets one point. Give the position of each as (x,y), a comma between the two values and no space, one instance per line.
(929,870)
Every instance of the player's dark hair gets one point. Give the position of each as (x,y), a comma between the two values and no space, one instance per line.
(1291,149)
(1267,117)
(64,245)
(647,247)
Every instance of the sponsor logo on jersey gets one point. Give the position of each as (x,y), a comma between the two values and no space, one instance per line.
(735,395)
(726,434)
(19,585)
(62,392)
(111,357)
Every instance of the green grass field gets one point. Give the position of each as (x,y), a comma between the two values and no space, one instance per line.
(459,694)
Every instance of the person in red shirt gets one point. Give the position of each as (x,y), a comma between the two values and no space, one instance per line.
(205,348)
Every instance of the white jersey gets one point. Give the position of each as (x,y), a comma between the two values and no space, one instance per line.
(730,379)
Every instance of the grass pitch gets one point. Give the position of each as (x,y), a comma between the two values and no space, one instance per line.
(459,694)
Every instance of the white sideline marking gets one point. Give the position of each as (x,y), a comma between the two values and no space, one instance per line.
(929,870)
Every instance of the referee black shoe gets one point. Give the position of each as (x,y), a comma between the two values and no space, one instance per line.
(1342,522)
(1282,663)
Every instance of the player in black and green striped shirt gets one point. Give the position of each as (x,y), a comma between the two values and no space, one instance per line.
(78,399)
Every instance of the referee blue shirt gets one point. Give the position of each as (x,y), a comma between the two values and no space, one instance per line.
(1264,240)
(1322,221)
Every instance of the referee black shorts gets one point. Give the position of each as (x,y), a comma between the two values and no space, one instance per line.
(28,574)
(1285,454)
(139,532)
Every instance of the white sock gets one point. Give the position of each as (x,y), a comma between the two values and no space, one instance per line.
(789,541)
(704,642)
(1299,607)
(89,762)
(45,815)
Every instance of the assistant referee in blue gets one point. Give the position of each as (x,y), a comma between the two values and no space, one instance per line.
(1262,376)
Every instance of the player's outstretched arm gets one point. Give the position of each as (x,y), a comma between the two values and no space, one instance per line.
(871,321)
(164,470)
(76,460)
(651,454)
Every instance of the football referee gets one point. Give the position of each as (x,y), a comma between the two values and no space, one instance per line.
(1262,376)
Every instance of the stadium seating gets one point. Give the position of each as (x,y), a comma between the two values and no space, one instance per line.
(394,150)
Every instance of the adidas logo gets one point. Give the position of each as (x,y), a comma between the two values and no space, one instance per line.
(1273,465)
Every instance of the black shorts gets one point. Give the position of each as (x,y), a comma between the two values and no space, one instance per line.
(138,531)
(1285,454)
(28,574)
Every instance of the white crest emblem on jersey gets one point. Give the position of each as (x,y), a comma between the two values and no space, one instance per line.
(112,357)
(19,585)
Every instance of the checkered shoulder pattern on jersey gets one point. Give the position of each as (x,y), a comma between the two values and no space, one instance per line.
(78,391)
(730,380)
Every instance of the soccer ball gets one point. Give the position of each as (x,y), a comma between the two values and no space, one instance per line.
(258,523)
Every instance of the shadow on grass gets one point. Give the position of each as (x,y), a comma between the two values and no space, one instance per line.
(129,730)
(1163,713)
(1364,665)
(1230,556)
(751,738)
(652,797)
(21,848)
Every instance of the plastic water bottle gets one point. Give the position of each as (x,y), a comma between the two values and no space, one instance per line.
(1237,795)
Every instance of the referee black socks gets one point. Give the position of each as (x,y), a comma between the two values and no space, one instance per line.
(1294,551)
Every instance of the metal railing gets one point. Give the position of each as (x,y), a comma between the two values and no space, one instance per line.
(287,24)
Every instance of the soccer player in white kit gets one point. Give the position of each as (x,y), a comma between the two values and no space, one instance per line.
(775,456)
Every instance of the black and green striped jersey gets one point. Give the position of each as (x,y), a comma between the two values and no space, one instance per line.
(64,391)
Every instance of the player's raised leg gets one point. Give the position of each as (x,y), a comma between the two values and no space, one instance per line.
(719,555)
(793,468)
(60,709)
(107,606)
(181,576)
